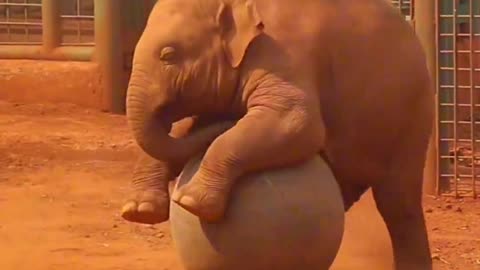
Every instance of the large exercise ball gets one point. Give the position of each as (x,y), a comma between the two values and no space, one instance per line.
(281,219)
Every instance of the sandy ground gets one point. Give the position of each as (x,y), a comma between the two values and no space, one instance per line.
(64,173)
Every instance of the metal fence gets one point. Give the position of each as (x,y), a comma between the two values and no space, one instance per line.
(50,23)
(405,7)
(457,70)
(458,86)
(101,31)
(20,22)
(77,19)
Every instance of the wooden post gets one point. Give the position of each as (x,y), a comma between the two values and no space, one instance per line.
(425,29)
(108,53)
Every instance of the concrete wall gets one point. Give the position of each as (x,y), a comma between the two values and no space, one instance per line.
(31,81)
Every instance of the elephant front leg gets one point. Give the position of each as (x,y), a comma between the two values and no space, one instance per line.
(149,201)
(263,139)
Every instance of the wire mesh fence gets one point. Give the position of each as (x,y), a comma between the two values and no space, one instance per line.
(458,81)
(99,31)
(405,7)
(20,22)
(77,17)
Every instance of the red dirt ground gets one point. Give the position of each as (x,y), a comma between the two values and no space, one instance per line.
(64,173)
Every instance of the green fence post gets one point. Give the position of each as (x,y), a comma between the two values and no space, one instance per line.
(108,53)
(425,29)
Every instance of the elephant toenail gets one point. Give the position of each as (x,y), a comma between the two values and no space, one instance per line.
(146,207)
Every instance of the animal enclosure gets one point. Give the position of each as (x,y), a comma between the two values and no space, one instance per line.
(101,31)
(65,169)
(458,86)
(105,32)
(457,83)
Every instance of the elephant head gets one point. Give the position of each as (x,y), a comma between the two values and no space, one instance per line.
(186,63)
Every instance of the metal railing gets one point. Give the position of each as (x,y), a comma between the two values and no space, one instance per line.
(77,18)
(67,30)
(406,8)
(53,29)
(20,22)
(99,31)
(458,86)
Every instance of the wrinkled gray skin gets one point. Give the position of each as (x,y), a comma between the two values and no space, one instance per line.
(346,79)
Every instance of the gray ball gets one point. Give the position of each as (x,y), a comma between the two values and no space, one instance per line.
(281,219)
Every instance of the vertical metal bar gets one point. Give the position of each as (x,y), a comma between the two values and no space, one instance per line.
(476,61)
(51,20)
(109,54)
(412,10)
(425,29)
(78,21)
(437,143)
(7,13)
(472,101)
(455,92)
(25,19)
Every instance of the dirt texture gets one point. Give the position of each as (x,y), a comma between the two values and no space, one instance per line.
(64,174)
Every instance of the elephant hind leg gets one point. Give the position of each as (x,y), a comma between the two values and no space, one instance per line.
(399,201)
(401,208)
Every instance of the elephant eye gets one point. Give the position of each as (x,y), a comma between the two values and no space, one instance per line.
(168,54)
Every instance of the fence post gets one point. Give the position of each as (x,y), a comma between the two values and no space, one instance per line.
(425,28)
(108,53)
(52,24)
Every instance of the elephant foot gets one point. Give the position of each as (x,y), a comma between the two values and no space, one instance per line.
(147,207)
(205,203)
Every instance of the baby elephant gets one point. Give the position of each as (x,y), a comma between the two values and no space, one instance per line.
(346,79)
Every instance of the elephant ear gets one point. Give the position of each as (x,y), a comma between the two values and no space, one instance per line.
(239,23)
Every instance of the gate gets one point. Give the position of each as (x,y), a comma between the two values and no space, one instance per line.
(454,154)
(458,86)
(102,31)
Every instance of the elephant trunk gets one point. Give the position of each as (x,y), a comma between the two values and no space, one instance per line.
(151,112)
(151,124)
